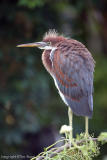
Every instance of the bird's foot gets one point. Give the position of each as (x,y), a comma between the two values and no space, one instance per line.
(86,135)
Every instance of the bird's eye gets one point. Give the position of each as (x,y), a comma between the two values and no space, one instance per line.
(49,43)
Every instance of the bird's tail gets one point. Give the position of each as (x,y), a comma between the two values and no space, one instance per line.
(82,107)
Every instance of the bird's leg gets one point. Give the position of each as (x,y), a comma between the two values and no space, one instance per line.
(70,115)
(68,130)
(86,127)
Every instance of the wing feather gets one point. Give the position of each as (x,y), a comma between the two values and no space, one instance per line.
(74,77)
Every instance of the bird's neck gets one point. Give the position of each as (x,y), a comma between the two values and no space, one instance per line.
(47,61)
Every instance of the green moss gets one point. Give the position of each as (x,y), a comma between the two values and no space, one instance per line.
(84,149)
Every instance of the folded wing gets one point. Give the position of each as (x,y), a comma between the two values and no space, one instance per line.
(73,75)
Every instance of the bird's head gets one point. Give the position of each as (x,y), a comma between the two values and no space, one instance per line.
(50,41)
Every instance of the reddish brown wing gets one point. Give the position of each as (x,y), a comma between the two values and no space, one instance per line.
(74,77)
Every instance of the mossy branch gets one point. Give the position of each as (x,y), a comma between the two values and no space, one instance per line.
(85,149)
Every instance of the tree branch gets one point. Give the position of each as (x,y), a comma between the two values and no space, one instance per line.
(66,146)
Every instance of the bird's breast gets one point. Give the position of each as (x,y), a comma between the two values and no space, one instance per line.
(47,59)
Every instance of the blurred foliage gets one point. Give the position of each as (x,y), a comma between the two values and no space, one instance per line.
(29,101)
(31,3)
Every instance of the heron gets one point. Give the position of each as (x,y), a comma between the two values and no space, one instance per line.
(71,66)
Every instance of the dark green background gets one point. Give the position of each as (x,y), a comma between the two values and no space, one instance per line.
(31,111)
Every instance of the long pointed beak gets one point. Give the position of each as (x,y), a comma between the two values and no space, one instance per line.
(35,44)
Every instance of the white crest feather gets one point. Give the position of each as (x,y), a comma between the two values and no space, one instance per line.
(51,33)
